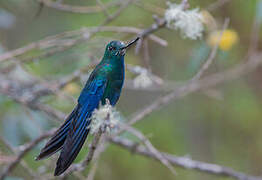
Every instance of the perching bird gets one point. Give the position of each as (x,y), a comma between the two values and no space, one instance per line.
(105,82)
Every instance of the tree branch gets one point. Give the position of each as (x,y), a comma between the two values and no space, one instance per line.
(76,9)
(184,162)
(23,151)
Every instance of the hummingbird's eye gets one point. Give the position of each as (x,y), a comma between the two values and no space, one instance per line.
(110,48)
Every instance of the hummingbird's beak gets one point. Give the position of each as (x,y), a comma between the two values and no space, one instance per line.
(130,43)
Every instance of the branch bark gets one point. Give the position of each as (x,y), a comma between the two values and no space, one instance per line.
(23,151)
(184,162)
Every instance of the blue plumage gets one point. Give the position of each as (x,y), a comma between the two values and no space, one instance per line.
(105,82)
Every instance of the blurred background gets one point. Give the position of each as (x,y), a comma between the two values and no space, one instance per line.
(220,125)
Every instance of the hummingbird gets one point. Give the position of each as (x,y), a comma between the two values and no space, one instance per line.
(104,84)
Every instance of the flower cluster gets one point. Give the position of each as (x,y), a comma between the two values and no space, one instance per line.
(189,22)
(105,118)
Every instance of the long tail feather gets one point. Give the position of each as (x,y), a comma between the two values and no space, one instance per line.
(58,139)
(75,139)
(72,134)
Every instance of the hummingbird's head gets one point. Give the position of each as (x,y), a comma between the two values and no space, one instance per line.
(118,48)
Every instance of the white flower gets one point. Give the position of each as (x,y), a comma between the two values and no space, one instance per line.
(143,80)
(105,118)
(189,22)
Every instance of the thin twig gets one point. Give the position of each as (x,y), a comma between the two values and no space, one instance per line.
(212,54)
(217,4)
(77,9)
(185,162)
(150,147)
(23,162)
(91,174)
(23,151)
(254,36)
